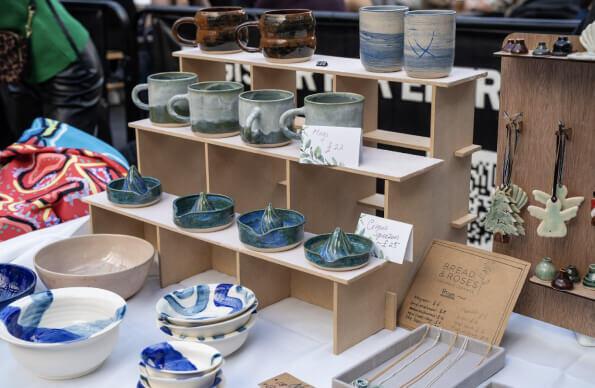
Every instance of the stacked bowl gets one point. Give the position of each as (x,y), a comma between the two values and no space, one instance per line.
(218,314)
(179,364)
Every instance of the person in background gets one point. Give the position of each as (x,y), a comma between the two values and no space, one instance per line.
(64,79)
(314,5)
(354,5)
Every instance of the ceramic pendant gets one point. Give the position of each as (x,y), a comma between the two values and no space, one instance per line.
(561,194)
(553,218)
(500,218)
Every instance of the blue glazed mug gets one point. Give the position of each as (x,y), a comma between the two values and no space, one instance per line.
(429,43)
(381,37)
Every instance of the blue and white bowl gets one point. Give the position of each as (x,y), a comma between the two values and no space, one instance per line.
(63,333)
(214,379)
(226,344)
(179,359)
(15,282)
(204,304)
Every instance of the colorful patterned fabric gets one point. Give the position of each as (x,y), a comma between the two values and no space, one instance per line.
(46,174)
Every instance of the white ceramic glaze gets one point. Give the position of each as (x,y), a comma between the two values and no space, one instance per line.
(587,38)
(204,304)
(226,344)
(214,379)
(218,328)
(113,262)
(179,359)
(90,316)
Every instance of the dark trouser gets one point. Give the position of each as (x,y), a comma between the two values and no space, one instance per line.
(71,96)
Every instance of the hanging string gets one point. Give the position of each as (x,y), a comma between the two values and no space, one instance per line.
(513,124)
(562,134)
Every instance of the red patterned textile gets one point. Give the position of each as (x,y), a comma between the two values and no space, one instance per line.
(43,186)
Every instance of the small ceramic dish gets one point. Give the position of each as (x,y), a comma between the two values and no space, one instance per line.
(179,359)
(203,212)
(134,190)
(338,251)
(271,230)
(212,330)
(63,333)
(15,282)
(225,344)
(214,379)
(114,262)
(204,304)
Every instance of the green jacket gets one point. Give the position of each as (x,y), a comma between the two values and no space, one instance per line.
(50,50)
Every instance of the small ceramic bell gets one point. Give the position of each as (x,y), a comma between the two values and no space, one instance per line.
(546,270)
(562,281)
(202,204)
(541,49)
(589,279)
(573,273)
(519,47)
(270,220)
(508,46)
(134,182)
(562,47)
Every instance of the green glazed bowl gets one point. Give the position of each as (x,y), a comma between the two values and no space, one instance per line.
(354,253)
(219,215)
(119,196)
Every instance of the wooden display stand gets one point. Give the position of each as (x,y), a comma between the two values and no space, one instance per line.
(431,192)
(549,90)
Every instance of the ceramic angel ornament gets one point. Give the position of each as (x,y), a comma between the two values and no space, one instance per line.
(553,218)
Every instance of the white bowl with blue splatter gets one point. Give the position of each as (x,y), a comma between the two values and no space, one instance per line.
(204,304)
(213,379)
(179,359)
(63,333)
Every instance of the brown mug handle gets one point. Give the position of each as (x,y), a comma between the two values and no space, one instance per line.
(244,46)
(174,30)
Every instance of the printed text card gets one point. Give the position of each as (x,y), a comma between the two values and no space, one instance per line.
(331,146)
(393,240)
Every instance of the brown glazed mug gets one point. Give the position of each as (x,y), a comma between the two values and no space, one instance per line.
(286,35)
(215,29)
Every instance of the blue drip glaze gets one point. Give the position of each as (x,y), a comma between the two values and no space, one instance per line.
(166,330)
(222,299)
(163,356)
(202,299)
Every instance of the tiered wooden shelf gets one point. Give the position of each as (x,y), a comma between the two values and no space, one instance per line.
(430,192)
(578,290)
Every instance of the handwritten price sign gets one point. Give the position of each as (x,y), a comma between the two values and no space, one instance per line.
(331,146)
(393,240)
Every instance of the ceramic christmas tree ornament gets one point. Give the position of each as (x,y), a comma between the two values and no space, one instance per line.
(500,219)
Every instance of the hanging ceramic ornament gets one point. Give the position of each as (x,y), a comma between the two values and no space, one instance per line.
(504,216)
(558,208)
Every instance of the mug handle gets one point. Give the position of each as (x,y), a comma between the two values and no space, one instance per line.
(244,46)
(174,30)
(136,99)
(288,116)
(251,121)
(172,110)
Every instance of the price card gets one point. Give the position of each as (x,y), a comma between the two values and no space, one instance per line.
(331,146)
(393,240)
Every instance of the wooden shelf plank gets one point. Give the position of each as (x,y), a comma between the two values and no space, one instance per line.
(579,289)
(467,151)
(413,142)
(375,200)
(376,163)
(541,57)
(348,67)
(160,215)
(462,222)
(283,182)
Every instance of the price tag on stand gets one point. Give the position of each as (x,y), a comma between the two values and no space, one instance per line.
(331,146)
(393,240)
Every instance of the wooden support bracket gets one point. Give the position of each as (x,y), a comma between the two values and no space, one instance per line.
(467,151)
(390,310)
(462,222)
(397,139)
(375,200)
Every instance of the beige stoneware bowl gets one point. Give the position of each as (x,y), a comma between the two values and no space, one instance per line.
(114,262)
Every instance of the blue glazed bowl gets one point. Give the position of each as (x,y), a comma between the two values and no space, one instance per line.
(350,253)
(286,233)
(15,282)
(117,195)
(187,216)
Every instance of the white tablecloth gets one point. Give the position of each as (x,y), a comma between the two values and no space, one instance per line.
(295,337)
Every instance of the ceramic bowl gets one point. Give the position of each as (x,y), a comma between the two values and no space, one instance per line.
(215,329)
(225,344)
(179,359)
(63,333)
(134,190)
(114,262)
(271,230)
(203,212)
(204,304)
(338,251)
(15,282)
(214,379)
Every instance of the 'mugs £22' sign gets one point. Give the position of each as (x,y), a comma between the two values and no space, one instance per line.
(393,240)
(331,146)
